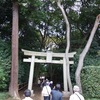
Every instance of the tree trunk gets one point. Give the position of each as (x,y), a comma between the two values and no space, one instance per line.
(84,52)
(67,44)
(13,88)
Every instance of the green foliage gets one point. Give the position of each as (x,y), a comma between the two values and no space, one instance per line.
(91,81)
(93,60)
(2,78)
(90,60)
(95,47)
(93,99)
(23,73)
(5,19)
(35,17)
(5,63)
(74,66)
(4,95)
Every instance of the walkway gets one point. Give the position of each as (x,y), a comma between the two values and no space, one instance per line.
(37,94)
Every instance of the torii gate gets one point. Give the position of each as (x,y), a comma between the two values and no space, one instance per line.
(48,58)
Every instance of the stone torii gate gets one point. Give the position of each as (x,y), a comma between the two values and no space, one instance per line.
(47,58)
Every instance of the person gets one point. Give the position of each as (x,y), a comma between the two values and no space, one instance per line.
(46,91)
(39,82)
(56,94)
(43,83)
(27,94)
(76,95)
(51,85)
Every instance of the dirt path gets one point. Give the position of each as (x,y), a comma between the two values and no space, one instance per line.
(37,94)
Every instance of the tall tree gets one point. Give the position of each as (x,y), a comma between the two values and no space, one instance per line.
(85,50)
(13,88)
(68,44)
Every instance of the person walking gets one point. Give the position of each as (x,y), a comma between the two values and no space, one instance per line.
(46,91)
(51,85)
(76,95)
(39,82)
(56,94)
(43,83)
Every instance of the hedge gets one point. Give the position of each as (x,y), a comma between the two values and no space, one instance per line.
(91,81)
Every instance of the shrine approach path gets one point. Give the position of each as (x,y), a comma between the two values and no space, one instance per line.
(36,95)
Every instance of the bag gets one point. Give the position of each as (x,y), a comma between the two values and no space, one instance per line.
(78,96)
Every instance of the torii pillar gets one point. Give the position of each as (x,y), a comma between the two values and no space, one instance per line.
(31,74)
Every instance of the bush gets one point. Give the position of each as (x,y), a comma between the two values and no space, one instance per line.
(2,79)
(5,96)
(91,81)
(5,63)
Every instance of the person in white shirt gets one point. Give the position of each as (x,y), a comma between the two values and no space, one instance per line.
(27,94)
(46,91)
(39,82)
(76,95)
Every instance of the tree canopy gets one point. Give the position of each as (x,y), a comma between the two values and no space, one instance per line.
(41,24)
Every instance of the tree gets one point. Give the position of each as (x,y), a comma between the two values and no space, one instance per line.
(13,88)
(84,52)
(67,44)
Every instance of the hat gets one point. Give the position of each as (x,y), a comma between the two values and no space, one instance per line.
(76,88)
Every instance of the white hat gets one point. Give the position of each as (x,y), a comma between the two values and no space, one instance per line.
(76,88)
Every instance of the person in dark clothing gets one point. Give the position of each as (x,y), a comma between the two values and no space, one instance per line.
(43,83)
(56,94)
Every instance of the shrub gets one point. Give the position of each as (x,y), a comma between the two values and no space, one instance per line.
(5,63)
(4,96)
(91,81)
(2,78)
